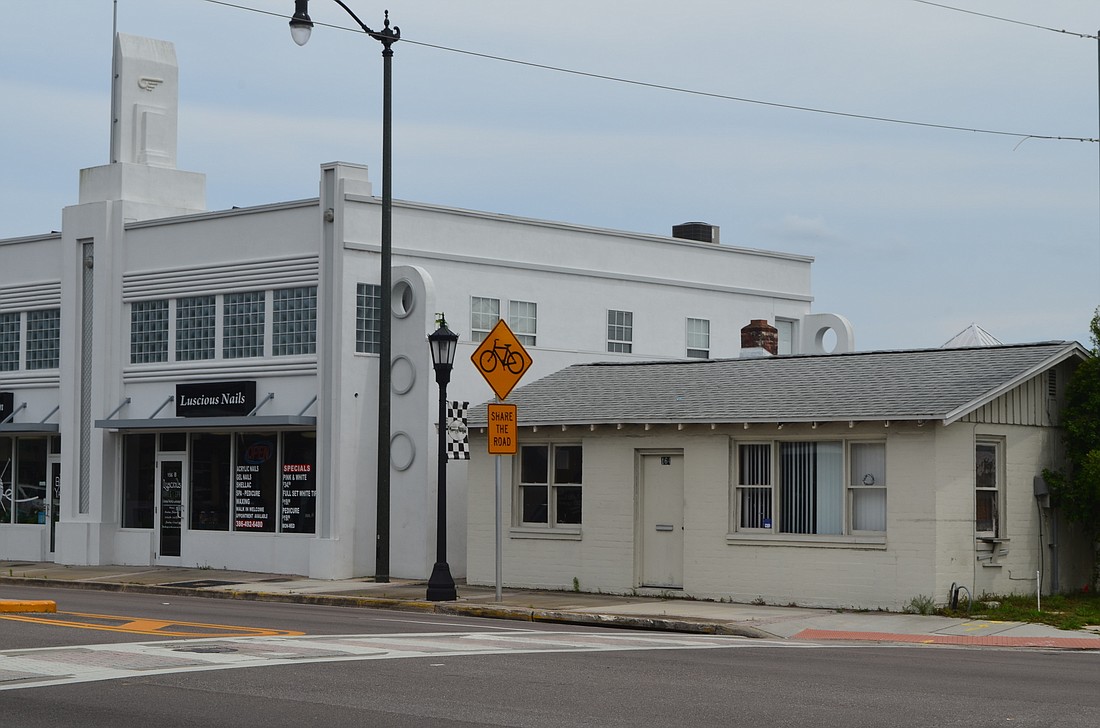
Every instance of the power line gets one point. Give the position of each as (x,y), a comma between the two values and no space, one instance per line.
(696,92)
(741,99)
(1007,20)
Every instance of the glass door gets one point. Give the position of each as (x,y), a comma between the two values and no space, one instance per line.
(170,479)
(53,502)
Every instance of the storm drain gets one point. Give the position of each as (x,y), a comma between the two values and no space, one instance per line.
(199,584)
(206,649)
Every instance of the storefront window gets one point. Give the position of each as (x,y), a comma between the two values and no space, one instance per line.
(7,473)
(254,486)
(173,441)
(299,483)
(210,477)
(138,480)
(23,479)
(258,482)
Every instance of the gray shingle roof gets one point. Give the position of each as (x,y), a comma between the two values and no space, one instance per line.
(928,384)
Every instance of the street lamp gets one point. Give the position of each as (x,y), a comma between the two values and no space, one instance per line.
(300,27)
(443,342)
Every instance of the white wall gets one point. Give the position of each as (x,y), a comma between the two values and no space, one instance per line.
(929,541)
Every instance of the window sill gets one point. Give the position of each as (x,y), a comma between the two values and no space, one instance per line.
(553,534)
(877,542)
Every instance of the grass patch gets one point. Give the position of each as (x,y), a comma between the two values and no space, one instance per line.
(1065,611)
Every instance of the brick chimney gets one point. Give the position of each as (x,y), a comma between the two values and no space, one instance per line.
(760,335)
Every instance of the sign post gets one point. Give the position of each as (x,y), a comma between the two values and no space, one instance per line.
(502,361)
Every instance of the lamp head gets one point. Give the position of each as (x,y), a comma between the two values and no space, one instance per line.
(444,343)
(300,24)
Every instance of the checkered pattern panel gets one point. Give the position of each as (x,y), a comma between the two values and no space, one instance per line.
(458,440)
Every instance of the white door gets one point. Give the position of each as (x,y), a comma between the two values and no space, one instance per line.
(169,511)
(662,526)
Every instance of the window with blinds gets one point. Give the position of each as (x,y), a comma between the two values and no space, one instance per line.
(826,488)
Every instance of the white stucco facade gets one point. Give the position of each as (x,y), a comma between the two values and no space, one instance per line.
(156,296)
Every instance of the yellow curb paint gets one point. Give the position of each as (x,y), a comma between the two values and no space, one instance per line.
(32,605)
(132,625)
(975,626)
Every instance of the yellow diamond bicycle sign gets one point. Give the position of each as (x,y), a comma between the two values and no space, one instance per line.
(501,359)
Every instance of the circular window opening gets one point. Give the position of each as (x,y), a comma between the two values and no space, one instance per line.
(403,299)
(826,341)
(402,451)
(402,374)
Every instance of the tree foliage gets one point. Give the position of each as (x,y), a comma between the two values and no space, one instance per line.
(1077,490)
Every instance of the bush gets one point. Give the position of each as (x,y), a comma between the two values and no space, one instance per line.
(921,604)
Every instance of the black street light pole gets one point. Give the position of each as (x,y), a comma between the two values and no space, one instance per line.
(443,342)
(300,27)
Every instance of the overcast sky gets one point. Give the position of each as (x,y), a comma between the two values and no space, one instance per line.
(917,231)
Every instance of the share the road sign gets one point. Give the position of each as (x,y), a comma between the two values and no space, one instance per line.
(501,359)
(503,423)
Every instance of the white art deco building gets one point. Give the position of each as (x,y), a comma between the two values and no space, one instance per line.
(184,386)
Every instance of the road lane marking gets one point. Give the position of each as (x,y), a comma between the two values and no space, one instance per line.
(43,667)
(145,626)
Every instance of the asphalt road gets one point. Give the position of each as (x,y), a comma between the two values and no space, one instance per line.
(415,670)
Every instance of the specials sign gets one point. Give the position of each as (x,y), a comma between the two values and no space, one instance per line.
(215,399)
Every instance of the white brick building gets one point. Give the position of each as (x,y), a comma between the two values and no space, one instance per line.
(857,480)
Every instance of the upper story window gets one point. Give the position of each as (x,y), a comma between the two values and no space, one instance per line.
(620,331)
(987,488)
(196,324)
(368,318)
(149,332)
(484,314)
(294,321)
(195,328)
(523,320)
(243,325)
(801,488)
(785,329)
(698,338)
(44,339)
(9,342)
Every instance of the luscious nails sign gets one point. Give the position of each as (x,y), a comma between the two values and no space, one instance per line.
(215,399)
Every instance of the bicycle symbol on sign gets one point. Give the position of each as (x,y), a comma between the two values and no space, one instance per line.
(501,354)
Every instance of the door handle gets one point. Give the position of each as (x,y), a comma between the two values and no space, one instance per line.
(665,527)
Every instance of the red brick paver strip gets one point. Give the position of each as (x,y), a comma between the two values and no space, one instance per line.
(1065,643)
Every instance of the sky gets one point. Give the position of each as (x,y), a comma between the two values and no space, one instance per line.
(917,231)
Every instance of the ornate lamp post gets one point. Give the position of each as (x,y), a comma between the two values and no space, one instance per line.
(300,27)
(443,342)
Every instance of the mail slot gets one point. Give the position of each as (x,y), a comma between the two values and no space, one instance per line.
(664,526)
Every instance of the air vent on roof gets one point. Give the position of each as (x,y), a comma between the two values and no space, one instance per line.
(700,232)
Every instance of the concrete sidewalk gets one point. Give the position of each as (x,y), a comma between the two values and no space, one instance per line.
(666,614)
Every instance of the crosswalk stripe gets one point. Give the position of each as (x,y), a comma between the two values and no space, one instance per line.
(41,667)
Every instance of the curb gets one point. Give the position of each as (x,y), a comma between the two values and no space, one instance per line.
(522,614)
(26,606)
